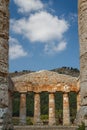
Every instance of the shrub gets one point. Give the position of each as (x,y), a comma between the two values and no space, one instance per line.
(44,117)
(82,126)
(29,122)
(15,121)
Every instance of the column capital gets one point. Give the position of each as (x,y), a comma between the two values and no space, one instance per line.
(66,88)
(64,92)
(23,92)
(78,92)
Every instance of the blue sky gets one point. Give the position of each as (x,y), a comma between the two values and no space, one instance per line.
(43,34)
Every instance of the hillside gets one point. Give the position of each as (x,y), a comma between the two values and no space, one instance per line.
(68,71)
(16,73)
(64,70)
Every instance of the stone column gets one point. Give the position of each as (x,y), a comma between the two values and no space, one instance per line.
(37,108)
(82,22)
(78,101)
(66,111)
(51,109)
(4,36)
(22,108)
(4,29)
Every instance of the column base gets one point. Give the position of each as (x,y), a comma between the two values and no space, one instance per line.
(53,122)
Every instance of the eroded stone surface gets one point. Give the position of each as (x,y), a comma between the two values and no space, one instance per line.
(82,20)
(37,110)
(5,115)
(52,120)
(80,115)
(45,81)
(23,108)
(66,110)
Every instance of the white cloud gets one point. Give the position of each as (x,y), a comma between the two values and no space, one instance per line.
(40,27)
(53,48)
(26,6)
(15,49)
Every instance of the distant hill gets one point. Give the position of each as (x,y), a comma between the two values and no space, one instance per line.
(68,71)
(63,70)
(19,73)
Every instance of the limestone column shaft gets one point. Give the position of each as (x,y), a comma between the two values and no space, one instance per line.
(4,34)
(82,21)
(51,109)
(78,101)
(36,108)
(82,29)
(66,111)
(22,108)
(4,47)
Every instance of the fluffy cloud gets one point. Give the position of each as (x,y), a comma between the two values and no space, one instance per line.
(40,27)
(54,48)
(15,49)
(26,6)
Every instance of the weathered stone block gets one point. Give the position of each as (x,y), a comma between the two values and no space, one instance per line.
(3,97)
(80,117)
(3,67)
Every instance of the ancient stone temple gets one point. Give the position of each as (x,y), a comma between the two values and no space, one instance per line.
(82,23)
(46,81)
(4,83)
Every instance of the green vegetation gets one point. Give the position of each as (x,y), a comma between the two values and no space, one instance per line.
(44,117)
(44,103)
(29,121)
(82,126)
(30,104)
(59,107)
(68,71)
(44,107)
(16,104)
(73,105)
(15,120)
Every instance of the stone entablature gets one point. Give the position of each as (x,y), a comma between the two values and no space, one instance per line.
(45,81)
